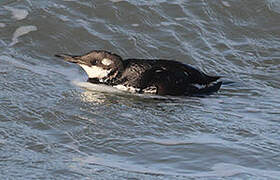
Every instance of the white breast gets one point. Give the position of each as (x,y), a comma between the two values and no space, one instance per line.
(95,71)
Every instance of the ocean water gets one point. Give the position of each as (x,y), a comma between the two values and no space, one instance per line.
(55,125)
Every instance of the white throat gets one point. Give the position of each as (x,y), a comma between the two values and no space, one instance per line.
(95,71)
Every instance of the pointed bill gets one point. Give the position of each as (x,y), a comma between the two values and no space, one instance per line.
(71,59)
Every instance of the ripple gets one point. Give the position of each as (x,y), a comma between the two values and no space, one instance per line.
(224,169)
(52,120)
(274,5)
(218,170)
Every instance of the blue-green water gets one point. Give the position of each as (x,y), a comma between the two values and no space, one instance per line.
(54,125)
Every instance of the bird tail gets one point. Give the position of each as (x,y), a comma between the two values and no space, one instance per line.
(214,87)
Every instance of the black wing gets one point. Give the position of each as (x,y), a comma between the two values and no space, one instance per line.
(166,77)
(195,76)
(174,78)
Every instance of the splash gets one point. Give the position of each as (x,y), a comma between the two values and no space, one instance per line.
(18,14)
(20,32)
(226,3)
(2,25)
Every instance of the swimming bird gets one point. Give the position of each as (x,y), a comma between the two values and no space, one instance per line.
(155,76)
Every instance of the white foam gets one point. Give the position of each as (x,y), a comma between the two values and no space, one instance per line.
(20,32)
(96,87)
(111,89)
(18,14)
(226,3)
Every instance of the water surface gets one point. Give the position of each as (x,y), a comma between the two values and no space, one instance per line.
(54,125)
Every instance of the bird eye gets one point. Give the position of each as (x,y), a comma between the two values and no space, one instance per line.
(93,62)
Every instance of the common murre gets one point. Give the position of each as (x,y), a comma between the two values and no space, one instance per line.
(155,76)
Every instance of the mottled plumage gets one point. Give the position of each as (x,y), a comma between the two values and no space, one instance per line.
(156,76)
